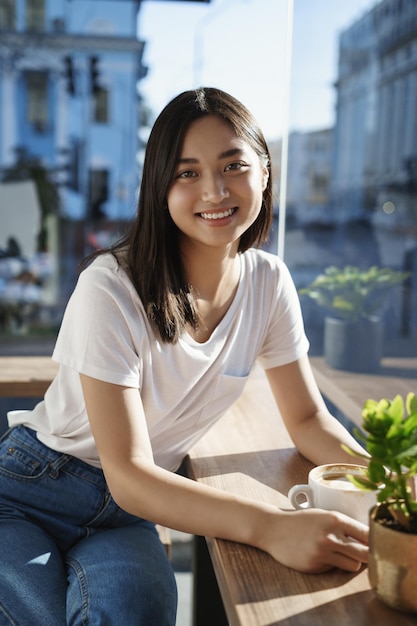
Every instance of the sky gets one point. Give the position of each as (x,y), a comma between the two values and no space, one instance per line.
(240,46)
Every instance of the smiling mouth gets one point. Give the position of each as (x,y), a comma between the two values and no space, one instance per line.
(219,215)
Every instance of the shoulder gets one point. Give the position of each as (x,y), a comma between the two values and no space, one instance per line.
(103,262)
(105,272)
(259,262)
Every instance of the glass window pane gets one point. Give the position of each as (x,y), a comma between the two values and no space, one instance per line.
(37,102)
(7,14)
(100,99)
(35,14)
(352,158)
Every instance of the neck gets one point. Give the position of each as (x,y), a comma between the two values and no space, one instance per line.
(214,277)
(207,267)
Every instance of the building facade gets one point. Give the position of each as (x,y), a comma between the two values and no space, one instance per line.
(69,72)
(375,153)
(309,173)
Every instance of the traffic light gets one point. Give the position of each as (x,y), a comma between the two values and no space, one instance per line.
(94,74)
(69,75)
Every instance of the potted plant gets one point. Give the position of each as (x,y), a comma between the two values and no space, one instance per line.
(390,437)
(353,330)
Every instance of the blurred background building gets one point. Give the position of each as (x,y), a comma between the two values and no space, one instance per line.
(69,96)
(375,151)
(365,167)
(71,119)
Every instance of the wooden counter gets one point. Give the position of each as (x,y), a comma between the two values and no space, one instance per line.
(26,376)
(249,452)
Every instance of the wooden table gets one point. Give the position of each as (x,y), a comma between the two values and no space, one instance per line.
(348,390)
(249,452)
(26,376)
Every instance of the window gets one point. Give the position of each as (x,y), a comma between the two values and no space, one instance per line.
(37,101)
(74,162)
(35,15)
(98,192)
(7,14)
(358,206)
(100,114)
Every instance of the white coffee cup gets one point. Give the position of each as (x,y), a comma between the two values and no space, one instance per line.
(328,488)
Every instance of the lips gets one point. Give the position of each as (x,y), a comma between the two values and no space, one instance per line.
(218,215)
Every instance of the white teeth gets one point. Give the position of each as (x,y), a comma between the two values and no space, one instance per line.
(216,216)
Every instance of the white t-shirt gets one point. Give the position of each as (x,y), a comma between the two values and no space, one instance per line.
(185,387)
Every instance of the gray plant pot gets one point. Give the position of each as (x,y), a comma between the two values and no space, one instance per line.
(353,346)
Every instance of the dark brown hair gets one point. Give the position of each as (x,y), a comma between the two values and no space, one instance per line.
(149,251)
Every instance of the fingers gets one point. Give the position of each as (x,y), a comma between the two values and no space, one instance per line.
(345,542)
(317,541)
(346,552)
(354,529)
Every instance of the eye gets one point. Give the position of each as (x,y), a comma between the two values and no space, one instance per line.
(236,165)
(186,174)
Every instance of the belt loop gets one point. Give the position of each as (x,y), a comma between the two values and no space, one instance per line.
(58,464)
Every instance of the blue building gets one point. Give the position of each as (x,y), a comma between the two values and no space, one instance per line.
(69,73)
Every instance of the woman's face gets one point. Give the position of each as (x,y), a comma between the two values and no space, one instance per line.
(219,180)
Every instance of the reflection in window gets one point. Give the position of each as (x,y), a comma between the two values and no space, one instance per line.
(353,202)
(37,102)
(7,14)
(100,112)
(35,14)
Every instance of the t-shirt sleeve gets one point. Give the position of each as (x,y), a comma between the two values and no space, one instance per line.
(95,338)
(285,340)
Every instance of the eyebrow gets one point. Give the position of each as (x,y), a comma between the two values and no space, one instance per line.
(223,155)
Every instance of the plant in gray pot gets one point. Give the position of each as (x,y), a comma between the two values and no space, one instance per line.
(390,437)
(353,330)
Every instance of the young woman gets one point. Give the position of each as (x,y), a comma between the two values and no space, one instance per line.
(153,349)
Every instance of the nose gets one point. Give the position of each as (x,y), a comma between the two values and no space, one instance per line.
(214,188)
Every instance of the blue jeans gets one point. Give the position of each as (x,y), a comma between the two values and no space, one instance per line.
(68,553)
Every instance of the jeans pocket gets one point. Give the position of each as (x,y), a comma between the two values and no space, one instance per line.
(20,462)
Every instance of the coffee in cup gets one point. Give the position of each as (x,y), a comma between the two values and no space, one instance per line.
(329,488)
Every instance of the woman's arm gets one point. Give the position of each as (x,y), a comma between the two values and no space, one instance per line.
(146,490)
(315,432)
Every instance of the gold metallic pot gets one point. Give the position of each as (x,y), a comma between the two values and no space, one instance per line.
(392,564)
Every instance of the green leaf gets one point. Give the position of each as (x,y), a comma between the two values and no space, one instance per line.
(354,453)
(410,424)
(396,409)
(385,493)
(377,450)
(411,403)
(409,452)
(376,472)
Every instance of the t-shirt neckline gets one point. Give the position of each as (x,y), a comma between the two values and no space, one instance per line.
(224,322)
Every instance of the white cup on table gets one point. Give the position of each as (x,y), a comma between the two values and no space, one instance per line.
(329,488)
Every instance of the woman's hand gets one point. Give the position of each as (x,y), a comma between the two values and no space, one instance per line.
(315,541)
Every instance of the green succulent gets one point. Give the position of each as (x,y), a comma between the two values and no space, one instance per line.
(351,293)
(390,437)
